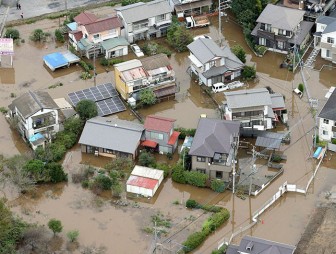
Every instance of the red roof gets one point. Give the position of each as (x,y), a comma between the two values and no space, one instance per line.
(143,182)
(78,35)
(103,25)
(85,18)
(158,123)
(149,143)
(173,138)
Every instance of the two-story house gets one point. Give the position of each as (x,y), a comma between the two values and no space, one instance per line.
(154,72)
(145,20)
(325,37)
(36,114)
(327,116)
(102,36)
(251,107)
(185,8)
(280,28)
(211,64)
(160,134)
(214,147)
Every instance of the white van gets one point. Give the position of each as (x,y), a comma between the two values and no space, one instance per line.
(298,92)
(219,87)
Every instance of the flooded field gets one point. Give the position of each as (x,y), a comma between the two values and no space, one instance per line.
(120,229)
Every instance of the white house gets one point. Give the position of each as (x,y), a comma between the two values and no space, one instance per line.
(144,181)
(325,37)
(327,118)
(145,20)
(36,113)
(211,64)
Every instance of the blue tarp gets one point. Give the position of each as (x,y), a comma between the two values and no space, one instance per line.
(55,60)
(317,152)
(72,26)
(36,137)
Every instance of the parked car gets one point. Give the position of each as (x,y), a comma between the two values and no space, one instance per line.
(202,36)
(298,92)
(137,51)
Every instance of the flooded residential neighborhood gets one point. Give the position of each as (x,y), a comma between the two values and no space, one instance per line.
(124,225)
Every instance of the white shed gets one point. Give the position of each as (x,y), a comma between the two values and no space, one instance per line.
(144,181)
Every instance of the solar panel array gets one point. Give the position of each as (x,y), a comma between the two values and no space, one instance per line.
(106,97)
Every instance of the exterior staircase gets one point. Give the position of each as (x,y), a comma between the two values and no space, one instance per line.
(311,58)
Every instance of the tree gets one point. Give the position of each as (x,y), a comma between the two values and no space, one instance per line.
(73,235)
(86,109)
(73,125)
(55,226)
(239,52)
(147,160)
(179,37)
(178,174)
(37,35)
(36,170)
(301,87)
(249,72)
(56,172)
(102,182)
(147,97)
(59,36)
(12,33)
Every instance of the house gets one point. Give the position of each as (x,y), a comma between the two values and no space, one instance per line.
(254,245)
(185,8)
(144,181)
(99,36)
(37,115)
(145,20)
(211,64)
(213,149)
(111,137)
(280,28)
(327,118)
(251,107)
(325,37)
(279,108)
(160,134)
(153,72)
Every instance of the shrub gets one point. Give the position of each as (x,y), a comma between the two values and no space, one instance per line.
(239,52)
(178,174)
(85,75)
(57,151)
(59,36)
(3,110)
(191,203)
(73,125)
(260,49)
(68,139)
(215,220)
(37,35)
(12,33)
(165,167)
(249,72)
(147,160)
(73,235)
(85,66)
(301,87)
(86,109)
(104,62)
(221,250)
(211,208)
(217,185)
(56,172)
(128,2)
(55,226)
(185,132)
(147,97)
(179,37)
(103,182)
(152,48)
(196,178)
(86,184)
(194,240)
(333,141)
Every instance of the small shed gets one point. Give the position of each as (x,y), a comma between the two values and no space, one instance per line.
(60,59)
(144,181)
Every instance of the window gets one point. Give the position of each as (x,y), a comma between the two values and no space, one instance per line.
(219,174)
(201,170)
(327,53)
(325,132)
(160,18)
(268,28)
(96,36)
(282,32)
(212,63)
(281,44)
(155,135)
(200,159)
(262,41)
(326,121)
(330,40)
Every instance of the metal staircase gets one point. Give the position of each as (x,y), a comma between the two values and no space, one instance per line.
(311,58)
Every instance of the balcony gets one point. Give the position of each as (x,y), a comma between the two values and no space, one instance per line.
(325,45)
(43,121)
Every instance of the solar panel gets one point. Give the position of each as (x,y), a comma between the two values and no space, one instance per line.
(106,97)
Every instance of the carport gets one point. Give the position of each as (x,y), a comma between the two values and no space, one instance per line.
(60,59)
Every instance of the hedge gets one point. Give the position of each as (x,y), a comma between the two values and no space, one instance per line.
(196,178)
(185,132)
(218,185)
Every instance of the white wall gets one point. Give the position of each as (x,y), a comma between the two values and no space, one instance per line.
(326,127)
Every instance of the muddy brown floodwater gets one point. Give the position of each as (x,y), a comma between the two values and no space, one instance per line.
(99,220)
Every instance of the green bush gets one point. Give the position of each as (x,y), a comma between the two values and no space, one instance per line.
(128,2)
(152,48)
(86,109)
(85,66)
(37,35)
(165,167)
(110,62)
(333,141)
(212,208)
(104,62)
(3,110)
(179,37)
(59,36)
(85,75)
(147,160)
(221,250)
(178,174)
(73,125)
(56,172)
(218,185)
(301,87)
(191,203)
(216,220)
(57,150)
(249,72)
(194,240)
(103,182)
(196,178)
(85,184)
(68,139)
(185,132)
(12,33)
(239,52)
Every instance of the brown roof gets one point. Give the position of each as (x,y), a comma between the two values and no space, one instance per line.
(158,123)
(85,18)
(78,35)
(103,25)
(155,62)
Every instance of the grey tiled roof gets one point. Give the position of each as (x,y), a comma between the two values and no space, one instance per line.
(281,17)
(155,62)
(248,98)
(213,136)
(329,109)
(112,133)
(205,50)
(31,102)
(299,37)
(141,11)
(277,100)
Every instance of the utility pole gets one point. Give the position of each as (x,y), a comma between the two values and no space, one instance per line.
(234,166)
(94,65)
(222,6)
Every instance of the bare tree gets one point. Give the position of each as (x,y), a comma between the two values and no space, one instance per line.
(36,239)
(93,249)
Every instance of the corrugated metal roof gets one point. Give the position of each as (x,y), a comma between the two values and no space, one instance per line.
(159,123)
(155,62)
(173,138)
(147,172)
(142,11)
(103,25)
(85,18)
(248,98)
(278,101)
(114,42)
(205,50)
(142,182)
(281,17)
(112,133)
